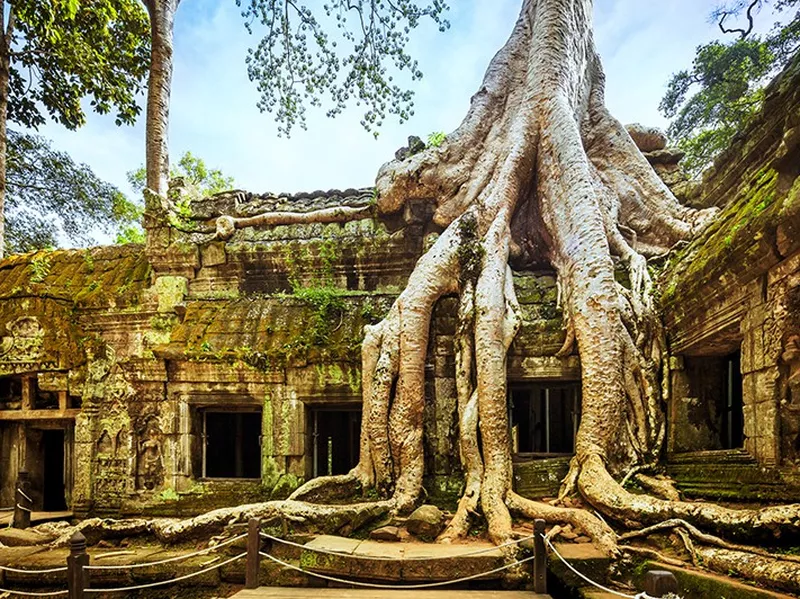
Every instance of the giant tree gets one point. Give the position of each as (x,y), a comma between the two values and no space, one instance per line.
(538,171)
(54,54)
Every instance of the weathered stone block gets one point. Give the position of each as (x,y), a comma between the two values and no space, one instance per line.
(426,522)
(385,533)
(213,254)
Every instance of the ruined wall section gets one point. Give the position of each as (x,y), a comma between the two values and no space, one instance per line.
(732,289)
(68,316)
(273,317)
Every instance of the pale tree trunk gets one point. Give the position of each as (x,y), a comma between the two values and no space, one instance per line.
(6,31)
(162,20)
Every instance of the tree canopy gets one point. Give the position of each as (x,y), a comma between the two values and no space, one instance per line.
(50,198)
(299,61)
(195,172)
(53,56)
(723,89)
(62,52)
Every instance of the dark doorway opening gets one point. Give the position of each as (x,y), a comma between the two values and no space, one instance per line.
(335,438)
(53,497)
(733,408)
(716,411)
(232,445)
(544,418)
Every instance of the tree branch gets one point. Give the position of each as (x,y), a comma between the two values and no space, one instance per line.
(226,225)
(744,32)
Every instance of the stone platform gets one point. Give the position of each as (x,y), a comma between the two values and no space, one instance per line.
(392,562)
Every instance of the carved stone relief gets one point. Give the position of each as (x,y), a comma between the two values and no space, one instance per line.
(24,342)
(149,457)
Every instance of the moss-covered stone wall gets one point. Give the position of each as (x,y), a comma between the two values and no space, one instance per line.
(730,291)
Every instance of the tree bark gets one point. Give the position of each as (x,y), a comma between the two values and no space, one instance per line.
(6,31)
(162,20)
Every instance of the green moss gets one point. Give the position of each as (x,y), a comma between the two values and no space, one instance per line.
(168,495)
(40,266)
(733,233)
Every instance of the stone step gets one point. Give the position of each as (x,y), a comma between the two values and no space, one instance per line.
(716,456)
(585,558)
(393,562)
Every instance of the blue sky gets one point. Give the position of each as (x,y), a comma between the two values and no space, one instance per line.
(214,114)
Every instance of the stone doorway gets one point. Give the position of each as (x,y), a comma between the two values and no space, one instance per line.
(53,471)
(544,418)
(232,447)
(335,437)
(47,456)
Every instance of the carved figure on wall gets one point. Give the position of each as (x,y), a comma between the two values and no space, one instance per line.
(150,465)
(104,444)
(24,342)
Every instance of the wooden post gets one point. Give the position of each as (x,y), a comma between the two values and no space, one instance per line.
(77,575)
(539,558)
(658,583)
(23,504)
(253,545)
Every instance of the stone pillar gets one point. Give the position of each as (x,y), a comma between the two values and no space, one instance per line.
(83,452)
(760,379)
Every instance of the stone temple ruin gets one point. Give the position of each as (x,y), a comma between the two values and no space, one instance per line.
(195,372)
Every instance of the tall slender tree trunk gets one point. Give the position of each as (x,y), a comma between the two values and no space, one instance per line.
(162,20)
(6,30)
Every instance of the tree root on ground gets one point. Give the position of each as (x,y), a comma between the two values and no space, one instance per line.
(297,515)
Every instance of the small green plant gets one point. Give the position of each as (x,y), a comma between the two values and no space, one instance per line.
(205,346)
(436,138)
(88,260)
(168,495)
(327,305)
(40,268)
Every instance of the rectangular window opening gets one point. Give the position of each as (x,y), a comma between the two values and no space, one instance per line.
(231,444)
(335,440)
(733,406)
(716,409)
(544,418)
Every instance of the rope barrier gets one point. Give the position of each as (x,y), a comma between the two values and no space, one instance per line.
(641,595)
(167,560)
(23,571)
(150,585)
(393,559)
(6,509)
(372,585)
(24,494)
(33,594)
(24,509)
